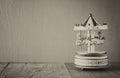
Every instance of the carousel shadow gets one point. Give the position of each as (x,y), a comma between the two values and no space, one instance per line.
(111,67)
(114,67)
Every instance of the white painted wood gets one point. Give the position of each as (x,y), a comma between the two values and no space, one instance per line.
(99,27)
(89,61)
(92,63)
(90,58)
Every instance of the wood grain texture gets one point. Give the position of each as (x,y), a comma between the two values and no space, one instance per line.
(54,70)
(18,70)
(111,72)
(2,66)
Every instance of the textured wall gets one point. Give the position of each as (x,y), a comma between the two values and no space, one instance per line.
(42,30)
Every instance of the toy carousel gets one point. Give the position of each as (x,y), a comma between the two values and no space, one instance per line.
(89,34)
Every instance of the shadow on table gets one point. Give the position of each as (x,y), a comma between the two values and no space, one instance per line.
(111,67)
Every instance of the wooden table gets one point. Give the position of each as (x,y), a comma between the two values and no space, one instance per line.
(53,70)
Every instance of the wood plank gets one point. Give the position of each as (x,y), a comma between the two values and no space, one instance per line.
(14,71)
(31,70)
(114,70)
(76,73)
(2,66)
(100,73)
(48,71)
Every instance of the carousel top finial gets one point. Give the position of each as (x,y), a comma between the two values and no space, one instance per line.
(90,14)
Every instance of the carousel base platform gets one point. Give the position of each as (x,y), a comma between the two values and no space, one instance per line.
(86,60)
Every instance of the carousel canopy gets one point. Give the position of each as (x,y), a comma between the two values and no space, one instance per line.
(90,21)
(90,24)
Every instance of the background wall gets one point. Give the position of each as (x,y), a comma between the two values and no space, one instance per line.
(42,30)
